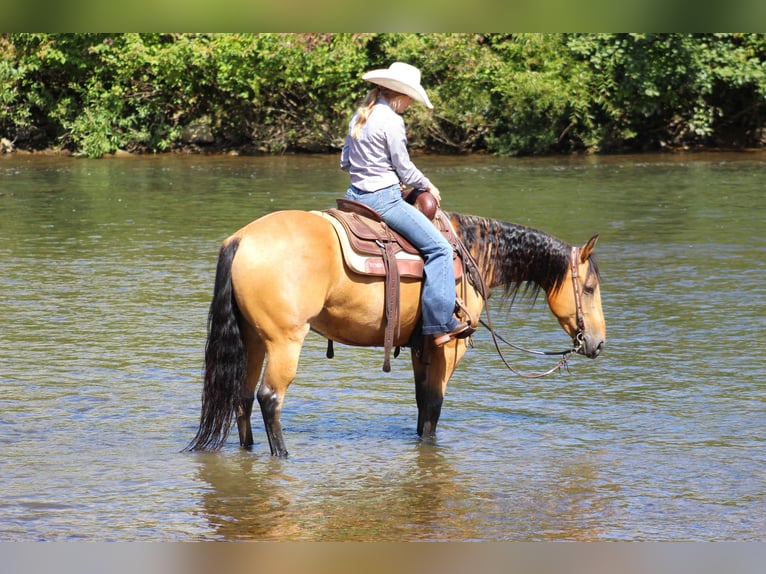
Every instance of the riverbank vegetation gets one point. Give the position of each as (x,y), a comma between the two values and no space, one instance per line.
(510,94)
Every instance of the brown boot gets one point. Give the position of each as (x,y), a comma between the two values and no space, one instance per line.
(462,331)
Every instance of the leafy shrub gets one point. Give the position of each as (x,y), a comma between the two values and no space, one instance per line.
(502,93)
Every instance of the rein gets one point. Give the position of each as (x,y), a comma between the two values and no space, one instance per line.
(565,355)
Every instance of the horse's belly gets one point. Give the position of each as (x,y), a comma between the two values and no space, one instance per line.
(355,312)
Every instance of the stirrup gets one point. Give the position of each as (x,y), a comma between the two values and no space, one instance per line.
(460,307)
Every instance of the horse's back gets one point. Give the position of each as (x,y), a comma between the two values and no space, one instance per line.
(288,234)
(278,223)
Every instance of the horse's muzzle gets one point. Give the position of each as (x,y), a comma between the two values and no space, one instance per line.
(588,346)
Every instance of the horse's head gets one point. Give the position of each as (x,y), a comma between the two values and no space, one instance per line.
(577,302)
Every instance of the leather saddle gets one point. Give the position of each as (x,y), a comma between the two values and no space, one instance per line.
(370,247)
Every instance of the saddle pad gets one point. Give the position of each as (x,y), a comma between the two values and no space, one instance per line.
(366,231)
(409,265)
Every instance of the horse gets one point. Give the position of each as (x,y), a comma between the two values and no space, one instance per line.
(283,275)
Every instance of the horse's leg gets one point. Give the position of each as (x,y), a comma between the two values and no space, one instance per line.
(281,367)
(422,396)
(431,384)
(256,351)
(244,411)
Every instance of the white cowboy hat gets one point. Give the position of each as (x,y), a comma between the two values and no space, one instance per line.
(401,78)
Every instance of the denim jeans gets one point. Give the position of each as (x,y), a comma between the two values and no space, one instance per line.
(438,294)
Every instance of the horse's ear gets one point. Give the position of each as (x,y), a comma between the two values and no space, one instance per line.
(587,249)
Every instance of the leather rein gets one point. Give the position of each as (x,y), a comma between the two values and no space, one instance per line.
(578,339)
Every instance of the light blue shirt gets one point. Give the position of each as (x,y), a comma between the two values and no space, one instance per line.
(379,158)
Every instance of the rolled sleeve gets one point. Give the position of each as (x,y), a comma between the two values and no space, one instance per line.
(400,158)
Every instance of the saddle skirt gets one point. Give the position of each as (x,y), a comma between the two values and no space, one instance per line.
(364,240)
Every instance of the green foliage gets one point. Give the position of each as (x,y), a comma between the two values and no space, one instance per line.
(508,94)
(457,73)
(537,94)
(671,89)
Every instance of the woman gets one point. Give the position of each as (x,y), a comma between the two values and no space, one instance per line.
(375,156)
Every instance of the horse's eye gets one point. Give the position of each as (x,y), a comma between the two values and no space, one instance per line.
(588,290)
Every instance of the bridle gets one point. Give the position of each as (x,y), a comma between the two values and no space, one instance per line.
(578,340)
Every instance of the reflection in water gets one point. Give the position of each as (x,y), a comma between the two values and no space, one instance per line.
(247,500)
(420,496)
(576,508)
(260,498)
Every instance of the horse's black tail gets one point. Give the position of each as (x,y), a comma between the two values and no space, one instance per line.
(225,362)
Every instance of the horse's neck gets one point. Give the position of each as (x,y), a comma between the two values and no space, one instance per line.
(510,254)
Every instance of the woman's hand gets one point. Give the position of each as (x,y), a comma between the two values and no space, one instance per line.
(433,190)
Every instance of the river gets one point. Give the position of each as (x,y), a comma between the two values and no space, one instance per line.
(106,273)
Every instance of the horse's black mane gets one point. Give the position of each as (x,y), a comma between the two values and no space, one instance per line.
(513,255)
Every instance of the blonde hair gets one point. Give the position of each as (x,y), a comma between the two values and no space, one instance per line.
(364,111)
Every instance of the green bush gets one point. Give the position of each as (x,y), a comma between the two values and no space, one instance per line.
(650,91)
(502,93)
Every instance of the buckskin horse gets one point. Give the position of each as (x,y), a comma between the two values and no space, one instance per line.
(284,275)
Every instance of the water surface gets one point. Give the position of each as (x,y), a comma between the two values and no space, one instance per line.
(106,272)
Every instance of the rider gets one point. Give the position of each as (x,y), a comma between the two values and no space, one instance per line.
(375,156)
